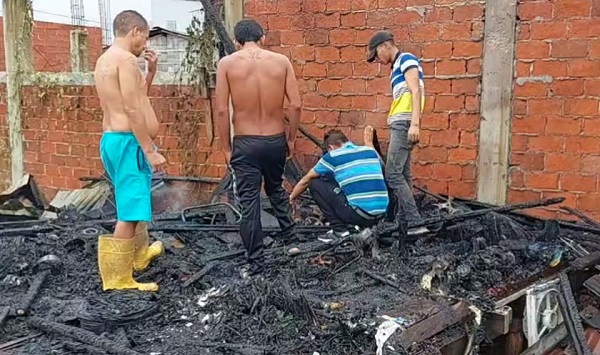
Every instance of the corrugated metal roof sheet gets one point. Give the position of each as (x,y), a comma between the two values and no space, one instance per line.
(86,199)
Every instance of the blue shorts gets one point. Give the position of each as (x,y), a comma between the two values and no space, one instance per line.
(130,173)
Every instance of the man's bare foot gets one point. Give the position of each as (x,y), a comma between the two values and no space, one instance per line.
(368,136)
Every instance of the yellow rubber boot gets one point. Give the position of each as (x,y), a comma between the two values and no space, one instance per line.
(144,253)
(115,261)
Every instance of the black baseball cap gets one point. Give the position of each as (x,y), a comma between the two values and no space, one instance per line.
(377,39)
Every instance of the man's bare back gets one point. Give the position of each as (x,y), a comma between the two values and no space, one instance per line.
(257,81)
(114,71)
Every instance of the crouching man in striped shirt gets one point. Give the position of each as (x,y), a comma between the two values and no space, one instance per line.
(347,184)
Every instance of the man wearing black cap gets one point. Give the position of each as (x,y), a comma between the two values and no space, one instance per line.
(404,120)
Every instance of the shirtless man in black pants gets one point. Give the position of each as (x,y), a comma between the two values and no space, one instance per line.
(258,82)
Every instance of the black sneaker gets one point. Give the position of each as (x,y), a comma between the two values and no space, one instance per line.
(287,236)
(388,227)
(333,236)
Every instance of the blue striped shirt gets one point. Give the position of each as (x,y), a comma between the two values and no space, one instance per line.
(401,109)
(358,171)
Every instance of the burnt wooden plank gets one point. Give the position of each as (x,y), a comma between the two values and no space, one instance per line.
(586,261)
(435,324)
(593,284)
(4,313)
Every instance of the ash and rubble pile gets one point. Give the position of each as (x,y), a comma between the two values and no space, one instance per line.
(327,300)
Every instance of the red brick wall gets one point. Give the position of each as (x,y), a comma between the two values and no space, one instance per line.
(63,125)
(326,41)
(555,148)
(556,127)
(52,52)
(52,46)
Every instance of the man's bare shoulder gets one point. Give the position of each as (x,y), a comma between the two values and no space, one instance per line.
(106,68)
(280,59)
(102,62)
(228,61)
(280,56)
(116,59)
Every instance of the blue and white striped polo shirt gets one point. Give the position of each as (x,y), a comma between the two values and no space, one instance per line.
(401,109)
(358,171)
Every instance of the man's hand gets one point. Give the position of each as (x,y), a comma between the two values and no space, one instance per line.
(292,205)
(227,158)
(152,59)
(413,133)
(291,145)
(368,135)
(157,161)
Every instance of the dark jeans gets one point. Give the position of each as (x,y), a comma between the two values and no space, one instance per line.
(254,158)
(334,205)
(398,173)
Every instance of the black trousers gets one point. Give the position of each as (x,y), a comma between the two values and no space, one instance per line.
(334,205)
(254,158)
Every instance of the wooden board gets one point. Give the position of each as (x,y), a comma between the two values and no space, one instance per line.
(433,325)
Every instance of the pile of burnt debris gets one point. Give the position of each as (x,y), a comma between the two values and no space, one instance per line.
(371,290)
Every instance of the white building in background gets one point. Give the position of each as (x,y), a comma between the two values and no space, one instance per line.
(170,20)
(171,48)
(174,15)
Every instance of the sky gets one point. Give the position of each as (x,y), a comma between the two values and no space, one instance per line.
(60,10)
(157,12)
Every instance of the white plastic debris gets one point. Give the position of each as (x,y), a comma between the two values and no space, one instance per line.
(478,314)
(404,323)
(426,282)
(384,332)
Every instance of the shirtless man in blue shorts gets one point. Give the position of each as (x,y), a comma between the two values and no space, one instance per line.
(128,152)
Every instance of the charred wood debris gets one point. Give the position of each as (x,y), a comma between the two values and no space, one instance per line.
(321,299)
(375,290)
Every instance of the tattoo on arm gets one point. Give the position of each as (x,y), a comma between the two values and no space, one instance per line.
(104,72)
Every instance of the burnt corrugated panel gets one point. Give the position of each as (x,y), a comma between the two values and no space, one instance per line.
(84,200)
(592,336)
